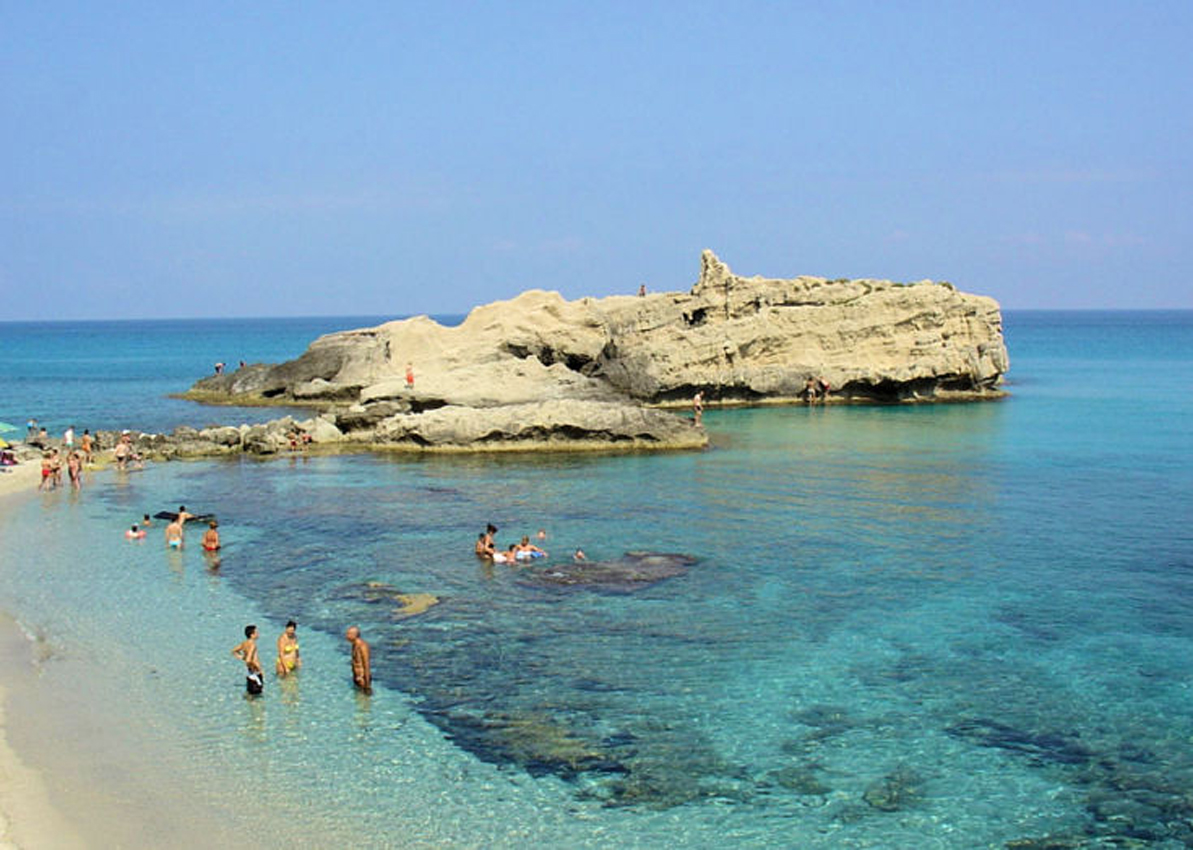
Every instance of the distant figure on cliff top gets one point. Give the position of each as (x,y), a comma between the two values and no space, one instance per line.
(698,407)
(642,290)
(409,376)
(219,368)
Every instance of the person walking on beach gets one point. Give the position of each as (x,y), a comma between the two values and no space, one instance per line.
(68,438)
(246,651)
(289,661)
(410,376)
(362,671)
(87,445)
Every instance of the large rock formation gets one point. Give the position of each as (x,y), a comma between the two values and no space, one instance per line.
(539,368)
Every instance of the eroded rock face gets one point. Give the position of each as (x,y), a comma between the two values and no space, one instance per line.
(734,338)
(561,423)
(540,371)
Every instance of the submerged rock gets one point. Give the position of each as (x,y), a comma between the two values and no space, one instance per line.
(633,571)
(897,790)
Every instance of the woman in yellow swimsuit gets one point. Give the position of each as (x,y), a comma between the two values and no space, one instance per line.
(288,658)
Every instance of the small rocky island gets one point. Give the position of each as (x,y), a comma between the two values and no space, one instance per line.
(539,372)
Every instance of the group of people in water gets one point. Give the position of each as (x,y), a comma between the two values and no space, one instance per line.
(75,456)
(523,550)
(175,535)
(289,661)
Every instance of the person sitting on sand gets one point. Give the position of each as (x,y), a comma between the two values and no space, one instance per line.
(135,533)
(174,534)
(288,658)
(211,537)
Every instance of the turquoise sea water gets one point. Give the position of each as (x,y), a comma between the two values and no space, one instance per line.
(949,626)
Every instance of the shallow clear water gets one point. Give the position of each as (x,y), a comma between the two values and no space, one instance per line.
(952,626)
(108,375)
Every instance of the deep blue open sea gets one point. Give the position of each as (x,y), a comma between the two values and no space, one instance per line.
(949,626)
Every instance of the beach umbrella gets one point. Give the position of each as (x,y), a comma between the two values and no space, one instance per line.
(4,426)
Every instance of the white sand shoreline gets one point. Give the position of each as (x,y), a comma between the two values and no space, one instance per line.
(28,818)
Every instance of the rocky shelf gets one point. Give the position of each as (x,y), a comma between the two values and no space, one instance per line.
(541,372)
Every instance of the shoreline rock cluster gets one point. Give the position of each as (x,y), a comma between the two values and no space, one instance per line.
(539,372)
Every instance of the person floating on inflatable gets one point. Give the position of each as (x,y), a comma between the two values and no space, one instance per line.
(526,550)
(135,533)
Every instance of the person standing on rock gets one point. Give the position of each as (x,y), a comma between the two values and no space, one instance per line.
(698,407)
(410,376)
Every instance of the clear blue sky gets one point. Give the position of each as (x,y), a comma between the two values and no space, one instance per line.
(252,159)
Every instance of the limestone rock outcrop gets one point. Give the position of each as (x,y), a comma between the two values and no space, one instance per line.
(501,376)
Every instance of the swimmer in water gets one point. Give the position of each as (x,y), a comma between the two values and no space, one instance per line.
(174,534)
(484,546)
(288,658)
(211,537)
(135,533)
(527,550)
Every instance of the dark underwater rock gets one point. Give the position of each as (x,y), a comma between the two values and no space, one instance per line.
(633,571)
(1039,747)
(897,790)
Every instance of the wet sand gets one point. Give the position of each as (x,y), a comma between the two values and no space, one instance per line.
(27,818)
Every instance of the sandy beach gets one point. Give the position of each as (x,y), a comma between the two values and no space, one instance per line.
(18,479)
(27,818)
